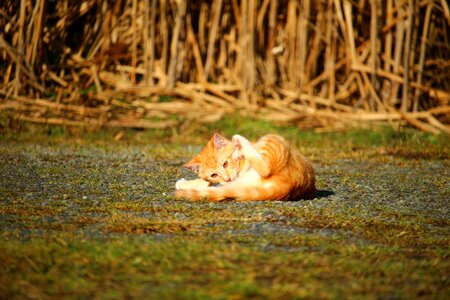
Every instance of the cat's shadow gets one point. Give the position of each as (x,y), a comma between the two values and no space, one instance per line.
(323,194)
(318,195)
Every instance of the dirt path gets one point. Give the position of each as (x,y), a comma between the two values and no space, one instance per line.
(400,207)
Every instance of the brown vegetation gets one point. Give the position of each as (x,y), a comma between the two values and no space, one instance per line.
(133,63)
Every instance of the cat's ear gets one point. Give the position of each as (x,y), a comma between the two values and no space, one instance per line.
(219,141)
(193,166)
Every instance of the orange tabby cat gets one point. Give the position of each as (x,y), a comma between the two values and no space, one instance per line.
(266,170)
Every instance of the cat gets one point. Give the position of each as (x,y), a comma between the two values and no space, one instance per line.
(267,170)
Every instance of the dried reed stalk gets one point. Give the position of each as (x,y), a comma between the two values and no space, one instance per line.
(174,44)
(136,63)
(217,5)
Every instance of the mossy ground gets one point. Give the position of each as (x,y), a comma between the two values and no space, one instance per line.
(85,216)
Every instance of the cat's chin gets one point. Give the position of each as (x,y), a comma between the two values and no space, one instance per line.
(223,183)
(226,182)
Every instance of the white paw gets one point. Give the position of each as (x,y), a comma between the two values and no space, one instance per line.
(237,155)
(240,142)
(183,184)
(179,183)
(243,146)
(236,139)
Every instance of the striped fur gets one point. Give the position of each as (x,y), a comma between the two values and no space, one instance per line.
(266,170)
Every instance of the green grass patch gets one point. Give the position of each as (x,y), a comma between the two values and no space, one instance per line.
(394,141)
(186,268)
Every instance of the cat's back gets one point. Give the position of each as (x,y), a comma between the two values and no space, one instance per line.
(290,169)
(271,142)
(274,148)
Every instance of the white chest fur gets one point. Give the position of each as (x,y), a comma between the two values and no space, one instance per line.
(249,178)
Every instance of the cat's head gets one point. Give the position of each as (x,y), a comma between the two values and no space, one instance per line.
(214,163)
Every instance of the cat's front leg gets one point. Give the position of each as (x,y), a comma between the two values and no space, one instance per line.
(183,184)
(250,153)
(244,147)
(237,155)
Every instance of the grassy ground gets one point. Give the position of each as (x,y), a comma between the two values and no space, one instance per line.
(85,216)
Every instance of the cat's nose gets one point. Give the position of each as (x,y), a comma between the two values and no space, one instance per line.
(227,179)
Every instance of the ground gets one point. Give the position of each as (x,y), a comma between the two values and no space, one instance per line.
(85,216)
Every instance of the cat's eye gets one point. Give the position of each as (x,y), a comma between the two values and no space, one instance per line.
(225,164)
(214,175)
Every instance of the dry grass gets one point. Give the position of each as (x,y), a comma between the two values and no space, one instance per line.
(134,63)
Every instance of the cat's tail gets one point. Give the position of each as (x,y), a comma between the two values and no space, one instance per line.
(227,192)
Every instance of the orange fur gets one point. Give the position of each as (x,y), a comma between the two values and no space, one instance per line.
(267,170)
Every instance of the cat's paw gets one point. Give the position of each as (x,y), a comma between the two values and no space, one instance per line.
(183,184)
(179,183)
(243,146)
(237,155)
(236,139)
(240,142)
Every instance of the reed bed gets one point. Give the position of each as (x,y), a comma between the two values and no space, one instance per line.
(160,63)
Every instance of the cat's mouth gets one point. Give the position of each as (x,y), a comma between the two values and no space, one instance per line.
(226,180)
